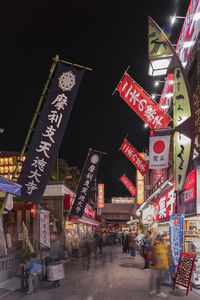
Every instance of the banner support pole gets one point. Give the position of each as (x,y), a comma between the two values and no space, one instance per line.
(125,72)
(56,59)
(76,65)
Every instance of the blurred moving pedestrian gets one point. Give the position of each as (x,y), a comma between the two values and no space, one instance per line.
(34,269)
(126,244)
(146,247)
(159,266)
(55,255)
(132,244)
(88,249)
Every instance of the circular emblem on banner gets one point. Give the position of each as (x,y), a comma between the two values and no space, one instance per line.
(67,81)
(94,159)
(159,147)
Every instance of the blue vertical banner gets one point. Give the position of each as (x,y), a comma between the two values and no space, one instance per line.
(176,240)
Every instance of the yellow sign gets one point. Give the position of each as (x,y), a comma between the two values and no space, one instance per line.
(100,195)
(181,109)
(140,185)
(157,43)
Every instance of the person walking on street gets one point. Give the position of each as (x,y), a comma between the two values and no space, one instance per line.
(159,266)
(132,245)
(147,244)
(126,244)
(54,256)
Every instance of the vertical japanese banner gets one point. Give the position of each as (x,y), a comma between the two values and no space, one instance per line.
(100,200)
(158,152)
(176,240)
(182,110)
(182,148)
(49,132)
(128,184)
(84,187)
(44,228)
(140,185)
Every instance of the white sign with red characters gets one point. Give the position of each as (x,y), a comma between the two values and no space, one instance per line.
(159,152)
(164,207)
(88,212)
(139,101)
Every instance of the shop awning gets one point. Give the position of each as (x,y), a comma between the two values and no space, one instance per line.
(85,220)
(10,186)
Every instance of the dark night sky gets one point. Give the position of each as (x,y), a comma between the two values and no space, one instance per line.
(104,35)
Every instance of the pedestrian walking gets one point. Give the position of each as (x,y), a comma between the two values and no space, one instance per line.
(54,257)
(88,249)
(132,245)
(159,266)
(146,247)
(34,269)
(126,244)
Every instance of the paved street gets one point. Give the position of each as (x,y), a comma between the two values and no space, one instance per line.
(112,276)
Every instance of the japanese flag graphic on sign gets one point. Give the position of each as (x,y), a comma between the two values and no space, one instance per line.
(158,152)
(138,100)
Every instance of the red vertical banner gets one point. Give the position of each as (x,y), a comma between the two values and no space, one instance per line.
(100,195)
(134,157)
(128,184)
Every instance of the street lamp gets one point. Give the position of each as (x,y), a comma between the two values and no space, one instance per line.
(156,83)
(154,95)
(173,19)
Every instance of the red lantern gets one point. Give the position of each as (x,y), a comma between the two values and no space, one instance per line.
(33,211)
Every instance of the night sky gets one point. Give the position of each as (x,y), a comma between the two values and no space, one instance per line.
(106,36)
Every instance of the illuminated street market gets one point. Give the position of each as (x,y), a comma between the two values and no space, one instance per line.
(100,150)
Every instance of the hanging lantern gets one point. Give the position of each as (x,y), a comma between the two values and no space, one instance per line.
(33,211)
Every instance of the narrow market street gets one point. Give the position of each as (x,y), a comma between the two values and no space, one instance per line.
(112,275)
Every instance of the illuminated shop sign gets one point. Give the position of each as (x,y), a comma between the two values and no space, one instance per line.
(123,200)
(88,212)
(162,208)
(100,195)
(189,32)
(189,194)
(140,185)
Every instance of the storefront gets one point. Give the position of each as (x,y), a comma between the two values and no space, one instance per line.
(191,200)
(156,215)
(76,229)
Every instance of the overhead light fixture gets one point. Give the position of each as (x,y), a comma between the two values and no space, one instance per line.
(173,19)
(154,95)
(159,65)
(156,83)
